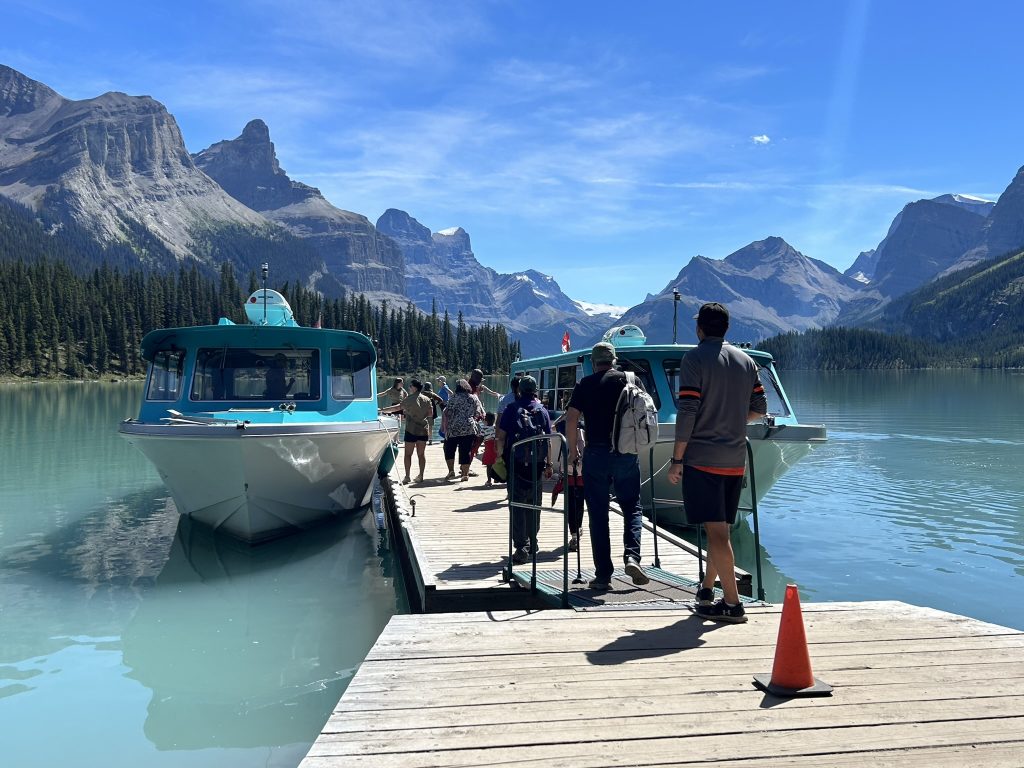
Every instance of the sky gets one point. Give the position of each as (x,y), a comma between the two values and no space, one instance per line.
(605,144)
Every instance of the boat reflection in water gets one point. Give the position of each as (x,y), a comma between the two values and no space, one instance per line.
(253,646)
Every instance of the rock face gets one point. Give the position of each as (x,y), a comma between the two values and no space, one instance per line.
(354,252)
(927,238)
(441,267)
(115,164)
(769,287)
(1003,231)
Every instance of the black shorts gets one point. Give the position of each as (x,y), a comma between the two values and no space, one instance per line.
(710,498)
(464,445)
(415,438)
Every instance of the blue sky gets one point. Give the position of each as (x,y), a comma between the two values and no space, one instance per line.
(602,143)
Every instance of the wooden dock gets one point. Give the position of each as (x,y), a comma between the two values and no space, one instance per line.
(453,538)
(569,689)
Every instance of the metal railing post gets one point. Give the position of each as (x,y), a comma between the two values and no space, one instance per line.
(654,507)
(757,532)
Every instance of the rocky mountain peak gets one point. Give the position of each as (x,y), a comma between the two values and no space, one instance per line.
(20,94)
(401,226)
(248,169)
(256,132)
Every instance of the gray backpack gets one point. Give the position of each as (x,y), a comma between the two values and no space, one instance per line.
(635,427)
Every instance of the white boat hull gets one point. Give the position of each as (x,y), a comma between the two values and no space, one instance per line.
(775,450)
(264,481)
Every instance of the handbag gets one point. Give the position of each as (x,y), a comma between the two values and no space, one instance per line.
(499,468)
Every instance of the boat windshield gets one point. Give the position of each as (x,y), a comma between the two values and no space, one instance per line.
(776,403)
(231,373)
(351,374)
(165,375)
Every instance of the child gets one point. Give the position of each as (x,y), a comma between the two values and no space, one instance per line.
(490,449)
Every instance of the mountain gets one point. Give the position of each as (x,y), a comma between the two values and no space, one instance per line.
(115,165)
(1003,230)
(768,286)
(354,254)
(442,270)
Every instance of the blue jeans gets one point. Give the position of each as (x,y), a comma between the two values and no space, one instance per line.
(603,470)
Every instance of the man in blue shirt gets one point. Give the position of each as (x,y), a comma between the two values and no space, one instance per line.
(444,393)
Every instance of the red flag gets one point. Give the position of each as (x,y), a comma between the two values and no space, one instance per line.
(566,346)
(319,321)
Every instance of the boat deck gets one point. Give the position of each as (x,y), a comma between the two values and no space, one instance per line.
(559,689)
(456,547)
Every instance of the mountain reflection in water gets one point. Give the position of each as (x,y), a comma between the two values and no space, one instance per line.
(249,646)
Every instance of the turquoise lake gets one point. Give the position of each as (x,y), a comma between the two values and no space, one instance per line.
(127,638)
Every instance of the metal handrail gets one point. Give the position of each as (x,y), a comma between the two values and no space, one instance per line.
(700,529)
(537,509)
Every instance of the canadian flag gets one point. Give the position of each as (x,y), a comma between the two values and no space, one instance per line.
(319,321)
(566,346)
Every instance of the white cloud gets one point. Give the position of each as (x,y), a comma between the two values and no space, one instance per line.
(762,139)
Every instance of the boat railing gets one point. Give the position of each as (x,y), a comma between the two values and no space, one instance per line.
(537,509)
(654,501)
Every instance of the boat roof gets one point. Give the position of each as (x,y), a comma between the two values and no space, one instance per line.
(259,336)
(633,350)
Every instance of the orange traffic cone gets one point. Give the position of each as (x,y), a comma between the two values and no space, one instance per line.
(791,673)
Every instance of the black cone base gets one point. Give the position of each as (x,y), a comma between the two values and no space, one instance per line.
(764,682)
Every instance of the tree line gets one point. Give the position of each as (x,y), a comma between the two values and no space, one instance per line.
(56,322)
(841,349)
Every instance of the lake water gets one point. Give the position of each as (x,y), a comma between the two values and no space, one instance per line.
(129,639)
(917,496)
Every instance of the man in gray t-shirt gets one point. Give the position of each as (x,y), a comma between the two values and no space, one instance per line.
(719,392)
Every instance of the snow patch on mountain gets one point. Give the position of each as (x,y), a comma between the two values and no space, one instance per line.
(593,308)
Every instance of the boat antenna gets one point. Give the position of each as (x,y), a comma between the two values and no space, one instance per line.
(675,312)
(265,268)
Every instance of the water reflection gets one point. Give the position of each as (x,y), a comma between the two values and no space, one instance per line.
(253,646)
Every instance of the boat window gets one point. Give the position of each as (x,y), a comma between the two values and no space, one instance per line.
(165,375)
(568,375)
(772,390)
(351,371)
(231,373)
(642,369)
(546,392)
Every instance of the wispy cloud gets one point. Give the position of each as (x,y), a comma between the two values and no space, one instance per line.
(761,139)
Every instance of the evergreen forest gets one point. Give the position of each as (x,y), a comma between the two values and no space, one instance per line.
(56,323)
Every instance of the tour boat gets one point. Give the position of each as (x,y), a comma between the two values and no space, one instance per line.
(261,429)
(778,441)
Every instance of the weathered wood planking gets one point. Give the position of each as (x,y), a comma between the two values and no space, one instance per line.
(914,687)
(459,535)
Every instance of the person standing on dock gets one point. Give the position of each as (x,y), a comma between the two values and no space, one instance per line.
(445,393)
(395,394)
(524,418)
(719,392)
(462,427)
(595,398)
(417,409)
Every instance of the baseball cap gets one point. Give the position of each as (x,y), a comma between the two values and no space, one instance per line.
(442,379)
(603,352)
(713,315)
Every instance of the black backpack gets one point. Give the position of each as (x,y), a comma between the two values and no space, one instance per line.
(529,423)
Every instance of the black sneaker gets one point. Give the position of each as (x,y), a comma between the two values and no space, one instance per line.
(721,611)
(705,596)
(520,556)
(600,586)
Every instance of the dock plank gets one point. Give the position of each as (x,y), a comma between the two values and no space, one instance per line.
(914,686)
